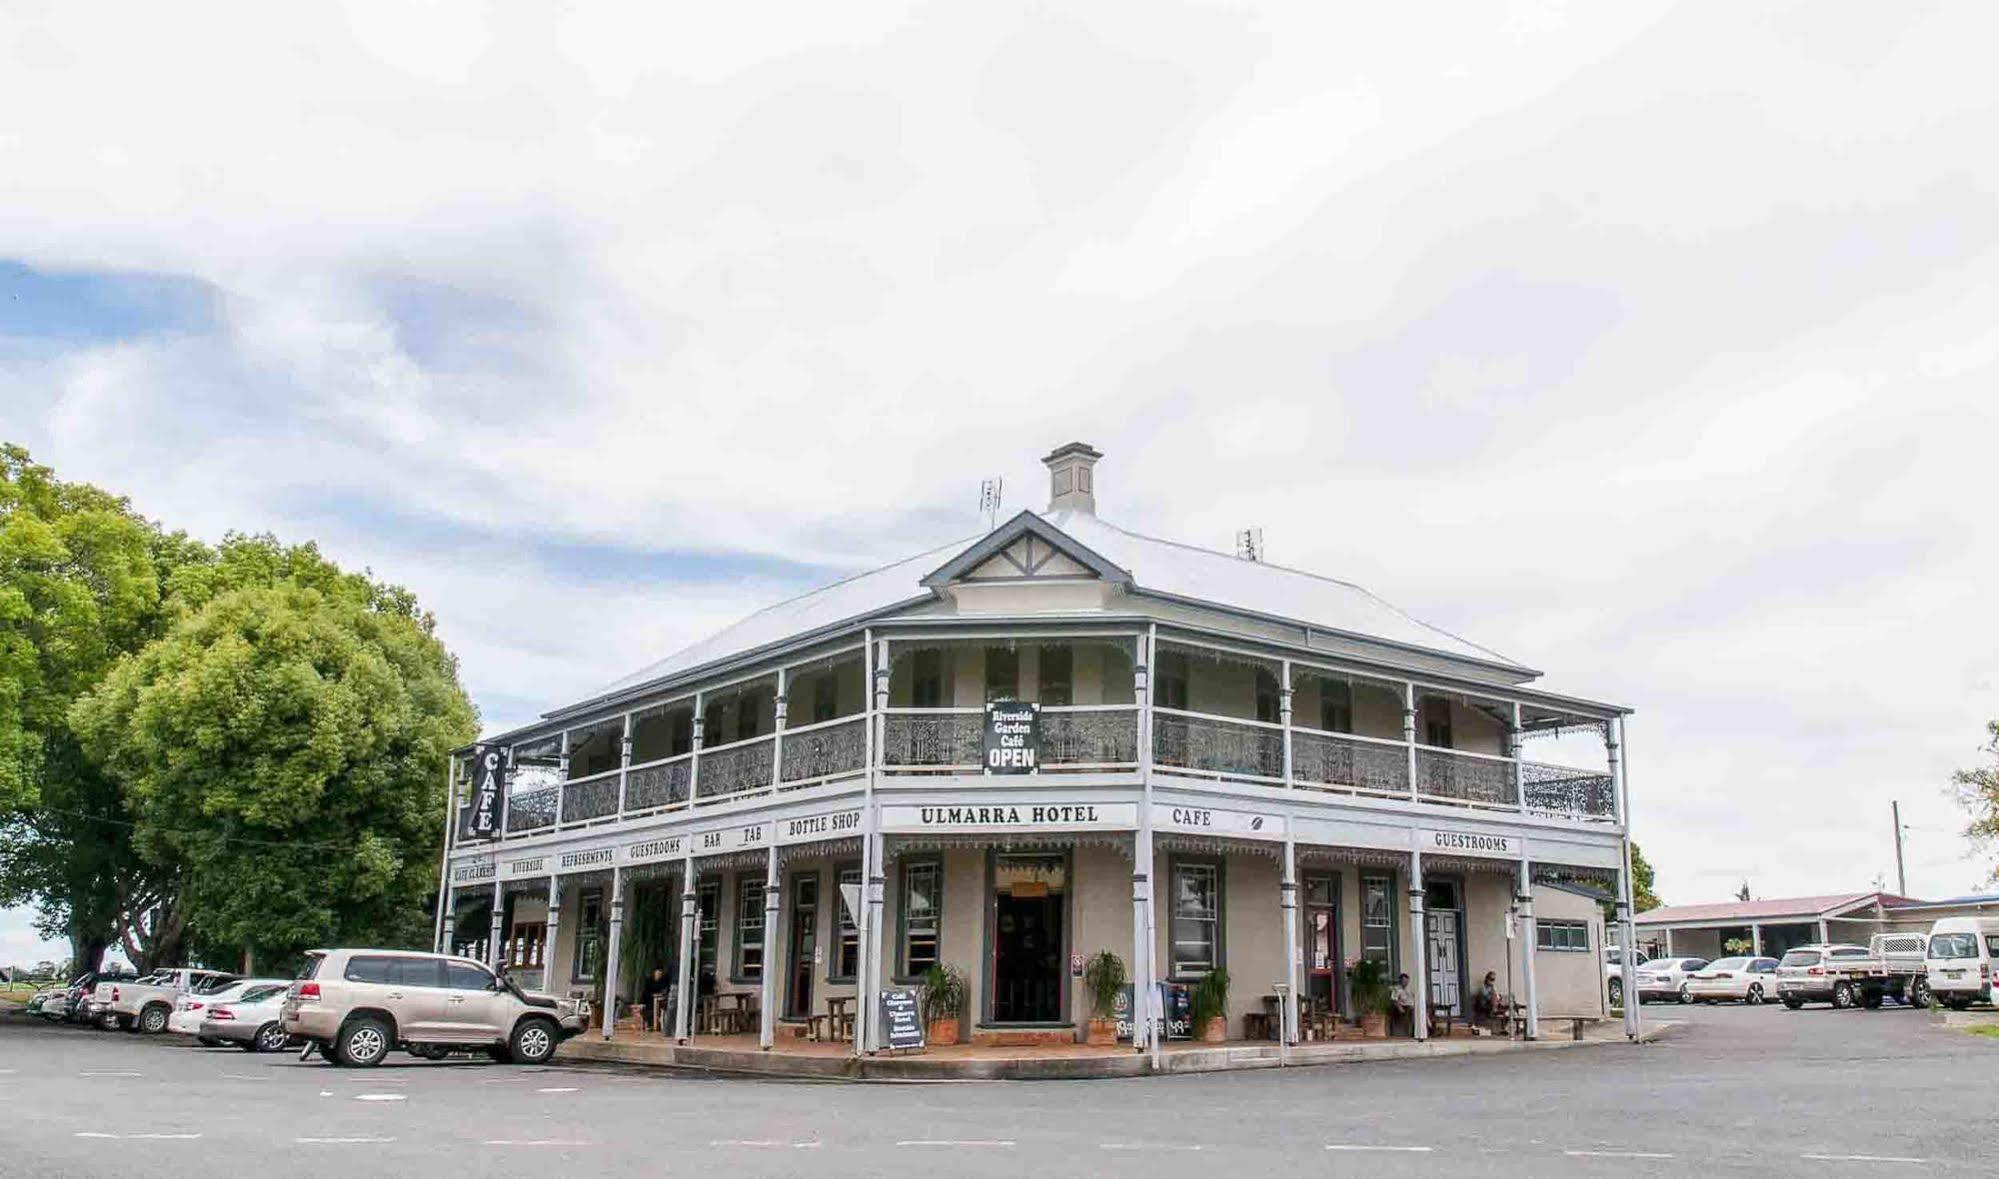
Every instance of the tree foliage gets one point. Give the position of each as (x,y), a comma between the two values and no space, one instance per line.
(286,741)
(1978,794)
(1642,896)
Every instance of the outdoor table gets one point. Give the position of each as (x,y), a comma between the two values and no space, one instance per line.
(1441,1011)
(839,1017)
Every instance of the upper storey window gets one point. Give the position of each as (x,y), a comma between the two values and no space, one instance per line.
(1434,720)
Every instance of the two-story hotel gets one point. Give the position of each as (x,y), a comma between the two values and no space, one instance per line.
(1227,764)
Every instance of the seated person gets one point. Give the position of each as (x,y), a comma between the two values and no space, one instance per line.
(656,986)
(1488,1006)
(1401,1006)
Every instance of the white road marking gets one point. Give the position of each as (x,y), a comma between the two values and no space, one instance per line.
(1615,1154)
(245,1077)
(132,1137)
(956,1142)
(110,1074)
(559,1090)
(1364,1146)
(340,1141)
(1145,1146)
(381,1097)
(765,1142)
(532,1142)
(326,1092)
(1860,1158)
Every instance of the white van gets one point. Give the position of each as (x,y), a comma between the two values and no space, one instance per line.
(1958,964)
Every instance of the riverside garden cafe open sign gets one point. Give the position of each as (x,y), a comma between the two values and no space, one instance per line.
(1013,737)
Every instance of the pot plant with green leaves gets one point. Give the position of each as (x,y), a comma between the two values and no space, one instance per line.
(1210,1006)
(944,995)
(1103,977)
(1367,982)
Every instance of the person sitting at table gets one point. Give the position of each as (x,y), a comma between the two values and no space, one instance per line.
(656,988)
(1488,1006)
(1401,1006)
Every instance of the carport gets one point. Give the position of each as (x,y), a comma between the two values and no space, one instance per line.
(1764,926)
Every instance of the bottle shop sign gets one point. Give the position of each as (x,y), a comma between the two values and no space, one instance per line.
(1013,737)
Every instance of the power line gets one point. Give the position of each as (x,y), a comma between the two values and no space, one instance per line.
(238,839)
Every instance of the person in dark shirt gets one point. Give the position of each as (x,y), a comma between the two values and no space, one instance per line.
(656,986)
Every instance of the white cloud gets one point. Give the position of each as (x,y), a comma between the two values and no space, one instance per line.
(1655,358)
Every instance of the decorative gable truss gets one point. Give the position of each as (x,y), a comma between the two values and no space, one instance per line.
(1027,548)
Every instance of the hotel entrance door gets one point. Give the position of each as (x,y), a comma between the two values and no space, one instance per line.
(1030,899)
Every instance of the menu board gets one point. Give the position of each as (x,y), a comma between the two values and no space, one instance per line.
(902,1019)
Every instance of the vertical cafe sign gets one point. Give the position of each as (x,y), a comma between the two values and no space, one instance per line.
(481,817)
(1013,737)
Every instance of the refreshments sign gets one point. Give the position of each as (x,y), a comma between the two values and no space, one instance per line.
(1012,742)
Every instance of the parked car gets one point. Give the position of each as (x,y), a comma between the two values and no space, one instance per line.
(252,1021)
(356,1005)
(1958,962)
(190,1010)
(1613,970)
(1666,978)
(82,1006)
(147,1004)
(1816,974)
(1736,980)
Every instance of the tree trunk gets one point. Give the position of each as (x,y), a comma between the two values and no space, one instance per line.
(249,962)
(86,951)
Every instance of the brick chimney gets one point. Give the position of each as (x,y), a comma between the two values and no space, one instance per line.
(1071,487)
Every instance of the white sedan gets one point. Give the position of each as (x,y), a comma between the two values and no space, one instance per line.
(1666,978)
(251,1022)
(190,1010)
(1737,980)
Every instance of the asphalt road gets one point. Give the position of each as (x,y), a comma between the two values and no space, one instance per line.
(1756,1090)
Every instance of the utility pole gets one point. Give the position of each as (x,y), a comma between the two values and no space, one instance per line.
(1901,877)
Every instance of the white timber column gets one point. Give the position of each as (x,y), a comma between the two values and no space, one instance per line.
(1669,938)
(1141,864)
(624,762)
(874,682)
(1513,737)
(1825,936)
(1287,891)
(1524,900)
(683,995)
(450,923)
(867,1031)
(444,857)
(1419,955)
(495,927)
(1627,939)
(1409,733)
(876,881)
(694,763)
(1756,940)
(1155,1014)
(777,742)
(611,951)
(507,796)
(562,778)
(767,977)
(554,928)
(1284,718)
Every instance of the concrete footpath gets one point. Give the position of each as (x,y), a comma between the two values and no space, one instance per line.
(1062,1063)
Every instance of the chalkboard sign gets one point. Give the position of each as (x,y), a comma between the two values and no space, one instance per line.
(902,1021)
(1175,1002)
(1012,742)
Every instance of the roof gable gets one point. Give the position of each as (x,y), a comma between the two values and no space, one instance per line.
(1027,548)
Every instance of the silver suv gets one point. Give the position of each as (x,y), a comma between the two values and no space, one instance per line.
(355,1005)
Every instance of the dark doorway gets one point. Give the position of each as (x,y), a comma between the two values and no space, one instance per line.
(1322,941)
(1030,897)
(804,944)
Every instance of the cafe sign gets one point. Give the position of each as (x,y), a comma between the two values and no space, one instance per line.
(480,820)
(1467,843)
(1217,821)
(1052,815)
(1012,743)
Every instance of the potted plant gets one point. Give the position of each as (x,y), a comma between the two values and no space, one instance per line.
(943,1003)
(1210,1006)
(1104,977)
(1367,981)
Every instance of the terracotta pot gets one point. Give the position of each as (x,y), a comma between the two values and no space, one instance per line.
(1215,1030)
(1102,1033)
(942,1031)
(1374,1023)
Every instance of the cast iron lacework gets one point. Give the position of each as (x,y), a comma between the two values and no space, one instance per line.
(1561,791)
(1217,746)
(1325,759)
(932,739)
(531,810)
(1441,774)
(1089,738)
(737,769)
(659,785)
(590,800)
(826,752)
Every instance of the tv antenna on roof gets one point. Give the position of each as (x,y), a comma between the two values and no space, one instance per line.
(1249,544)
(989,500)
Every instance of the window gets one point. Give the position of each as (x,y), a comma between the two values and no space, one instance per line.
(709,904)
(463,976)
(367,970)
(926,678)
(825,697)
(1002,674)
(1436,715)
(416,972)
(524,949)
(921,906)
(1951,945)
(1268,707)
(1992,944)
(1171,688)
(1801,958)
(1056,673)
(749,929)
(1196,927)
(1336,706)
(1567,937)
(662,732)
(589,950)
(847,954)
(1377,919)
(1762,965)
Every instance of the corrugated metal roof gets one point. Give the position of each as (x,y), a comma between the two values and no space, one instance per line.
(1764,910)
(1160,567)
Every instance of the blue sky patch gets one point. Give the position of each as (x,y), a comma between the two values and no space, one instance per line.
(93,305)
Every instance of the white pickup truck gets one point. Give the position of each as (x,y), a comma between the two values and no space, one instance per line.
(1889,966)
(147,1004)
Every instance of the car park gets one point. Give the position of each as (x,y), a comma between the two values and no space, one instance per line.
(190,1010)
(355,1006)
(147,1004)
(81,1006)
(252,1021)
(1666,978)
(1746,979)
(1958,960)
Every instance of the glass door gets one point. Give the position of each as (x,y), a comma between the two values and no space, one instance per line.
(1322,942)
(804,944)
(1030,895)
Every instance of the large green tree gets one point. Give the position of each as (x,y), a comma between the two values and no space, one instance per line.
(285,742)
(1978,794)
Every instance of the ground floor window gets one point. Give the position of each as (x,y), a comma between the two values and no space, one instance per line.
(919,910)
(708,906)
(847,955)
(589,956)
(1563,936)
(749,965)
(1195,931)
(1377,919)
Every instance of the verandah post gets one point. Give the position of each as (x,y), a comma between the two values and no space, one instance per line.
(611,951)
(767,978)
(683,1005)
(1419,953)
(1524,900)
(1288,905)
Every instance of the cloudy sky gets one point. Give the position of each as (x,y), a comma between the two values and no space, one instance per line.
(1651,350)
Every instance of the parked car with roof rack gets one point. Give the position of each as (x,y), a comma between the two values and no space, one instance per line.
(357,1005)
(1745,979)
